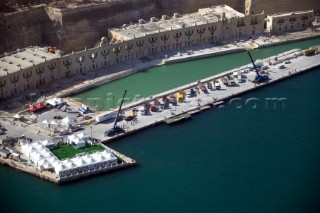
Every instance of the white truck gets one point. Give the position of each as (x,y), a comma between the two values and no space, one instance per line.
(106,116)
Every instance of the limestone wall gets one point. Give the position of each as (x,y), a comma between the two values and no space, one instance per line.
(189,6)
(85,26)
(271,7)
(22,29)
(76,28)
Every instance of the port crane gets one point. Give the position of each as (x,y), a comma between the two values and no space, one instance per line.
(116,129)
(260,77)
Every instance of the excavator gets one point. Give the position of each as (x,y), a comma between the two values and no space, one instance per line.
(115,130)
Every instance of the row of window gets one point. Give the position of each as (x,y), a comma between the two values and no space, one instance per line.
(291,27)
(291,19)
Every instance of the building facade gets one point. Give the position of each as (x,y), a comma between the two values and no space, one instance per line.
(27,68)
(293,21)
(35,67)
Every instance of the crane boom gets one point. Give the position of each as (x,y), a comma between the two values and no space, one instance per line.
(260,77)
(254,66)
(116,119)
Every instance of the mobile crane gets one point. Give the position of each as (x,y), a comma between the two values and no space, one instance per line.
(260,77)
(115,130)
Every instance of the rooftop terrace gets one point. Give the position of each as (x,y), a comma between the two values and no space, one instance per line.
(23,58)
(166,23)
(278,15)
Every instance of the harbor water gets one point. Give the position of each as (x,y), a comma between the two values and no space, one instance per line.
(162,78)
(243,158)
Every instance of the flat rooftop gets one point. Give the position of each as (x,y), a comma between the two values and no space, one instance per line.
(203,16)
(24,58)
(278,15)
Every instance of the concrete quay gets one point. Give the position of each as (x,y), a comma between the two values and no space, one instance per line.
(202,101)
(298,64)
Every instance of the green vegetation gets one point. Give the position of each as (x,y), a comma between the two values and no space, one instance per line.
(65,151)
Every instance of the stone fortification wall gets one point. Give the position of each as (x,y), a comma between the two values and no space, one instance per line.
(22,29)
(190,6)
(271,7)
(83,27)
(75,28)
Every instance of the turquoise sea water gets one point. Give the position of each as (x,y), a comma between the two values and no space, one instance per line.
(223,160)
(159,79)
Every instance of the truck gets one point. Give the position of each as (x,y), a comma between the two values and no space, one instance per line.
(105,116)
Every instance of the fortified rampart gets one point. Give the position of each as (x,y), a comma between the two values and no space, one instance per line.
(25,28)
(83,27)
(74,28)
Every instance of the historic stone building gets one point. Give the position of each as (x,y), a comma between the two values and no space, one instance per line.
(159,35)
(292,21)
(212,24)
(34,67)
(27,68)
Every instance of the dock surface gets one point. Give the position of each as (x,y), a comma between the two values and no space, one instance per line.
(212,98)
(191,105)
